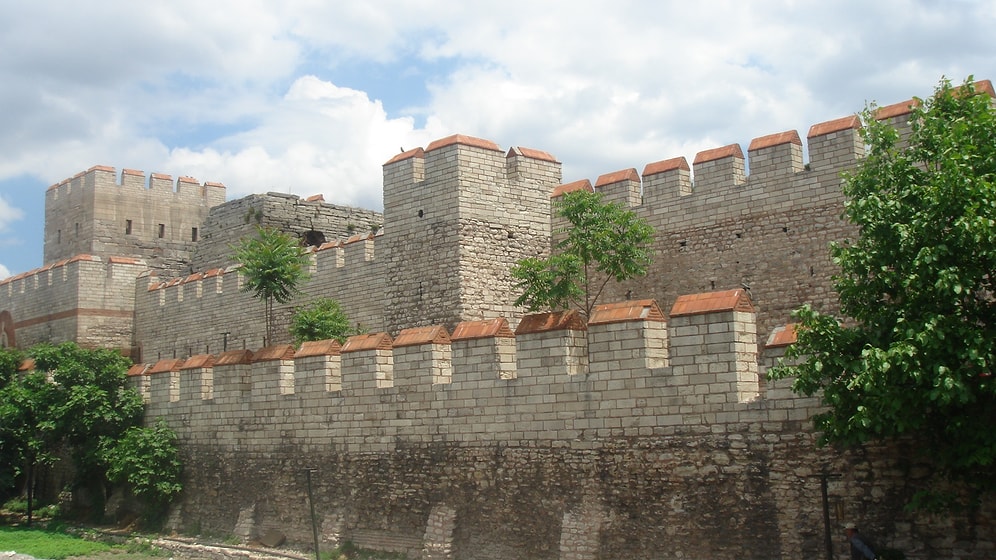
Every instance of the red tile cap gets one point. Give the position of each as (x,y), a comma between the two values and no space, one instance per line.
(138,369)
(787,137)
(986,87)
(372,341)
(198,361)
(233,357)
(583,184)
(463,140)
(836,125)
(274,353)
(548,322)
(101,168)
(666,165)
(188,179)
(712,302)
(896,109)
(531,154)
(163,366)
(315,198)
(617,177)
(418,336)
(495,328)
(782,336)
(133,172)
(418,153)
(318,348)
(633,310)
(733,150)
(214,272)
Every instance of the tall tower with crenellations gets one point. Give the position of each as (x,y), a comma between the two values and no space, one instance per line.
(458,215)
(159,221)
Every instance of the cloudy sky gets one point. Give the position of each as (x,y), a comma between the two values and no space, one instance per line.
(313,96)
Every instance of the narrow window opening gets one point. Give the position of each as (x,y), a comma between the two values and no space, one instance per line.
(58,236)
(162,231)
(193,234)
(127,227)
(77,229)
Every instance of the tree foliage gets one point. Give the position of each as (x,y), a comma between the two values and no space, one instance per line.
(28,434)
(324,319)
(273,266)
(916,351)
(147,459)
(601,242)
(75,400)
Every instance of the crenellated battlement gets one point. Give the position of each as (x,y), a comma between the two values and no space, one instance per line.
(48,303)
(226,317)
(65,270)
(629,371)
(102,176)
(718,178)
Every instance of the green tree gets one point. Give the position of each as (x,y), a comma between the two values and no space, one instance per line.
(147,460)
(28,436)
(602,242)
(87,410)
(273,265)
(916,349)
(93,406)
(324,319)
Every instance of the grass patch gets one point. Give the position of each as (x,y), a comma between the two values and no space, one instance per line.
(48,544)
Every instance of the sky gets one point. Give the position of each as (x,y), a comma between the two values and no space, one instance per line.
(314,96)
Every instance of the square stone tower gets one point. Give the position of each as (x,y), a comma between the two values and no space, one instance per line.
(458,215)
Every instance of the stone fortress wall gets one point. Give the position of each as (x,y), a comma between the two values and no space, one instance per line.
(450,236)
(444,435)
(636,435)
(311,220)
(81,298)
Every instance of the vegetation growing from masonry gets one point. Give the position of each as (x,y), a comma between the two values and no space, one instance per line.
(273,265)
(914,354)
(324,319)
(601,242)
(86,410)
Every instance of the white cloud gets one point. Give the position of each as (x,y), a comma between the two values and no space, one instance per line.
(319,138)
(8,214)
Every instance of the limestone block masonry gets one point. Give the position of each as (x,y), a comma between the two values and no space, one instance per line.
(632,436)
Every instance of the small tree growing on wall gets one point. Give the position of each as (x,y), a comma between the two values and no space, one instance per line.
(273,265)
(602,242)
(324,319)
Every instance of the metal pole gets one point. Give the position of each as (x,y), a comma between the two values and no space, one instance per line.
(314,521)
(828,541)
